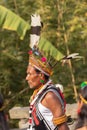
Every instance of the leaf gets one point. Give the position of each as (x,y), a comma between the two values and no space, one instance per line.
(47,47)
(11,21)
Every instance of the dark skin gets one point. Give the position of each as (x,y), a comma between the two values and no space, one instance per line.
(33,78)
(50,100)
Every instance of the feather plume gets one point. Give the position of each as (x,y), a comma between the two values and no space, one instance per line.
(35,30)
(71,56)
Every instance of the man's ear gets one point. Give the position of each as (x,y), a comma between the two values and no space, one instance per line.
(80,104)
(41,75)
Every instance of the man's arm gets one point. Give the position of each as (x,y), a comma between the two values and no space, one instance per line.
(52,102)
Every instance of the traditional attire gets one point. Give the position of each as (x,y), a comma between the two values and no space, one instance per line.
(42,116)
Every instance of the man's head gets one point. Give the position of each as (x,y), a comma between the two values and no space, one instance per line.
(35,77)
(38,71)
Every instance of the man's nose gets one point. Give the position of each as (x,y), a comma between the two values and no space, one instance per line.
(27,77)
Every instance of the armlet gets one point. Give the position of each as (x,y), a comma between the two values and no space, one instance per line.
(60,120)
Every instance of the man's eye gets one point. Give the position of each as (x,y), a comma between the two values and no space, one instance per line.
(28,75)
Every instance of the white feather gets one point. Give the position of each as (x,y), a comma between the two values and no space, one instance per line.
(34,39)
(35,20)
(73,55)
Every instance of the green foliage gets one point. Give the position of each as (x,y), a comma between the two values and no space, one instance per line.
(11,21)
(49,50)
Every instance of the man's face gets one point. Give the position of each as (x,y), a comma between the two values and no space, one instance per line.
(32,77)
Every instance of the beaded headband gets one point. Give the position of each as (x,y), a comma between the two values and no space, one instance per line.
(83,99)
(40,64)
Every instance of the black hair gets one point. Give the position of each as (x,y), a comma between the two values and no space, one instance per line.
(82,116)
(45,76)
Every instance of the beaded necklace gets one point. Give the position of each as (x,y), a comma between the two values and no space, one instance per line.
(34,97)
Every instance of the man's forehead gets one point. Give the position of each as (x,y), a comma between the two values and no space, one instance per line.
(30,68)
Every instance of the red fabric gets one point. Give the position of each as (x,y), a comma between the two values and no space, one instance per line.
(35,117)
(30,121)
(78,111)
(61,94)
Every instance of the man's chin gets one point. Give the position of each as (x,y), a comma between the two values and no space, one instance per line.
(31,86)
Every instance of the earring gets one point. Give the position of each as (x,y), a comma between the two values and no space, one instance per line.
(78,111)
(41,81)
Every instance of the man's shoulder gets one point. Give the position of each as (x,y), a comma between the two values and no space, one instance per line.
(51,91)
(50,94)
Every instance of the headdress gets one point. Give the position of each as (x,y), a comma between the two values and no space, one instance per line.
(40,64)
(37,57)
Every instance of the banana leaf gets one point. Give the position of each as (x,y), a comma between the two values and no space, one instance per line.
(49,50)
(11,21)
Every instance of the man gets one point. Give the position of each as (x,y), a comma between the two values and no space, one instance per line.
(46,107)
